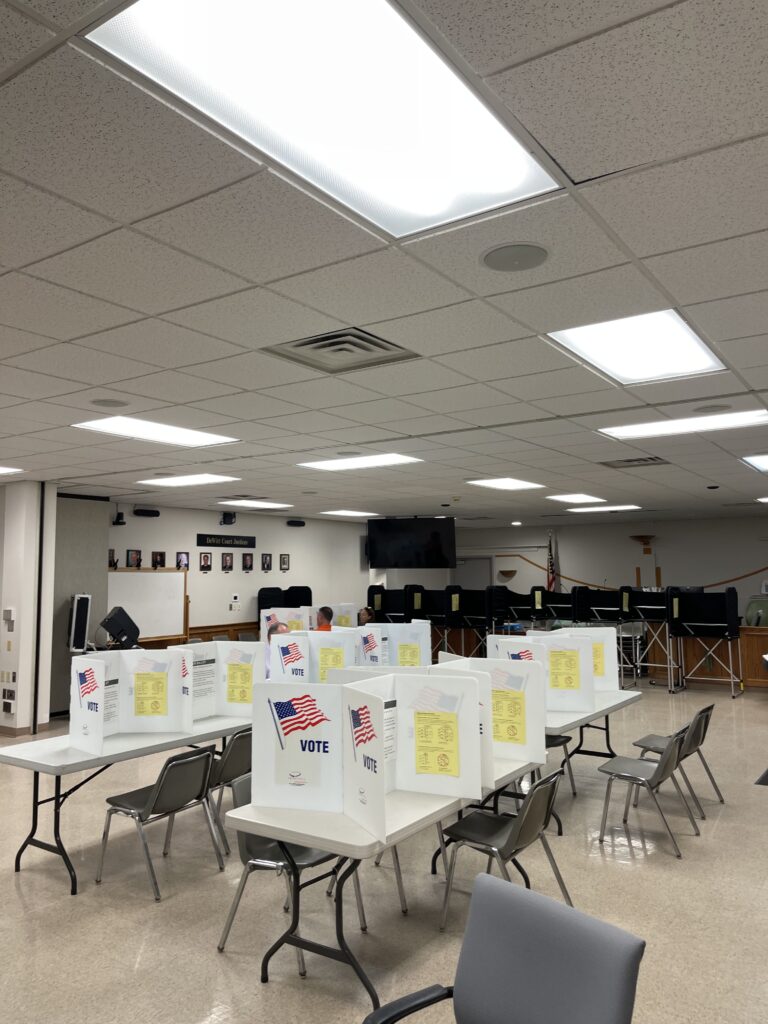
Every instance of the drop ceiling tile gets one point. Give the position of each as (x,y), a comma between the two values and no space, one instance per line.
(297,443)
(308,422)
(25,384)
(80,364)
(688,78)
(745,352)
(361,434)
(589,299)
(262,228)
(689,202)
(18,37)
(371,288)
(529,355)
(135,271)
(84,399)
(718,270)
(251,406)
(420,425)
(324,393)
(73,126)
(574,242)
(65,12)
(469,396)
(160,343)
(44,308)
(758,376)
(255,318)
(246,431)
(594,401)
(707,386)
(382,411)
(13,342)
(722,319)
(492,35)
(507,412)
(451,329)
(172,386)
(573,381)
(413,377)
(253,370)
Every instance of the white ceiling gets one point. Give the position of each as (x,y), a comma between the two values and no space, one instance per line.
(147,260)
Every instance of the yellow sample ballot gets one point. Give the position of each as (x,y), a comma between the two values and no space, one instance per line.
(294,625)
(455,598)
(564,670)
(150,694)
(330,657)
(239,683)
(408,654)
(344,620)
(437,742)
(508,707)
(598,659)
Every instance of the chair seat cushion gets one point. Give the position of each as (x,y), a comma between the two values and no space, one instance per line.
(260,848)
(652,742)
(488,829)
(136,800)
(557,741)
(632,766)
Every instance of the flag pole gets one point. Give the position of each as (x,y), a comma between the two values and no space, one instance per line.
(277,727)
(352,729)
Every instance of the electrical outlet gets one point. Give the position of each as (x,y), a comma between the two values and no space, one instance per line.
(13,677)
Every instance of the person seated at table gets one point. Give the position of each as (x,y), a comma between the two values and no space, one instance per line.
(324,619)
(366,616)
(274,630)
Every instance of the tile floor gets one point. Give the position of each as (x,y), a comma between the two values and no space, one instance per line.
(113,956)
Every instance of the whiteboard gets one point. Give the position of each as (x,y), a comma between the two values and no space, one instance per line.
(154,600)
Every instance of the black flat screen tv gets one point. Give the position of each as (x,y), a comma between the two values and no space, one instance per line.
(411,544)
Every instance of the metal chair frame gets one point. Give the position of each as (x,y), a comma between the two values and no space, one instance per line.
(219,769)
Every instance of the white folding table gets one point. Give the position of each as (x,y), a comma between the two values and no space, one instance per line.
(606,703)
(57,756)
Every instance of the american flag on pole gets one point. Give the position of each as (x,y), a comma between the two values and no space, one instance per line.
(87,682)
(553,565)
(431,699)
(362,726)
(298,713)
(369,643)
(522,655)
(290,653)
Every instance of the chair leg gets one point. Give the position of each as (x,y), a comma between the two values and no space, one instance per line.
(637,794)
(148,859)
(691,818)
(502,866)
(489,864)
(219,824)
(359,901)
(219,798)
(443,851)
(689,787)
(288,900)
(104,838)
(666,823)
(233,909)
(377,861)
(608,789)
(168,834)
(523,873)
(399,880)
(212,831)
(711,777)
(333,879)
(569,769)
(449,885)
(630,789)
(555,869)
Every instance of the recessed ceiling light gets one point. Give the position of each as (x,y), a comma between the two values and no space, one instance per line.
(7,470)
(361,462)
(512,258)
(505,483)
(574,499)
(195,480)
(348,512)
(690,425)
(605,508)
(160,433)
(426,150)
(254,503)
(109,403)
(516,523)
(758,461)
(653,346)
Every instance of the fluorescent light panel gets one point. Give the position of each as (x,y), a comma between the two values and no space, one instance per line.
(690,425)
(248,503)
(345,94)
(505,483)
(348,512)
(574,499)
(763,501)
(7,470)
(758,461)
(605,508)
(361,462)
(161,433)
(195,480)
(653,346)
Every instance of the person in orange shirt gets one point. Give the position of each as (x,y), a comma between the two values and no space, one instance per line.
(324,619)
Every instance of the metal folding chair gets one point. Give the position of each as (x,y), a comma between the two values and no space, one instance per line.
(230,764)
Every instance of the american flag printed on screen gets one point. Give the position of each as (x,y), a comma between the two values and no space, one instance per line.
(298,713)
(430,699)
(184,669)
(369,643)
(87,682)
(362,726)
(290,653)
(522,655)
(148,665)
(271,619)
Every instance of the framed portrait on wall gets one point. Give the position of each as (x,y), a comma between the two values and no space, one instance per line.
(182,559)
(133,558)
(285,563)
(266,562)
(206,562)
(247,561)
(158,559)
(227,561)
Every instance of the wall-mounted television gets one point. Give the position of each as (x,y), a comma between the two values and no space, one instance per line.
(411,543)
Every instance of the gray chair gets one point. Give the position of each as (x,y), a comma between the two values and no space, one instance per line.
(260,854)
(553,742)
(527,959)
(502,837)
(649,775)
(694,739)
(233,761)
(182,784)
(194,640)
(247,638)
(220,636)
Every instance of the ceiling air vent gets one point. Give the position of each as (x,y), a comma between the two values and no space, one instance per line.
(638,463)
(341,351)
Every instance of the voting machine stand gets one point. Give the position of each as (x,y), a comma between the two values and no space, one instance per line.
(609,607)
(651,609)
(713,621)
(465,610)
(548,605)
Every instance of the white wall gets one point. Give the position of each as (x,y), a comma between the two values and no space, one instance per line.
(325,556)
(689,553)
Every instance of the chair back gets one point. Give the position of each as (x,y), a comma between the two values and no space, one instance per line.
(533,816)
(251,847)
(529,959)
(697,732)
(220,636)
(670,757)
(184,778)
(247,638)
(235,759)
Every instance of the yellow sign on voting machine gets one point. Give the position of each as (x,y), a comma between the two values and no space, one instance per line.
(508,716)
(437,742)
(598,659)
(564,670)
